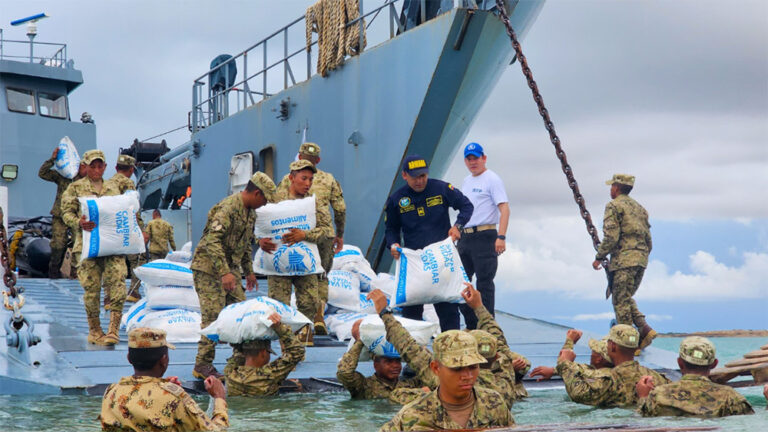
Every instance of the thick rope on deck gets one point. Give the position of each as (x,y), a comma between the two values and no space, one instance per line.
(329,18)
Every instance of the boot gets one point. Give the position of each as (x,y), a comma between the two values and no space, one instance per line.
(204,371)
(320,328)
(95,333)
(647,335)
(113,334)
(305,335)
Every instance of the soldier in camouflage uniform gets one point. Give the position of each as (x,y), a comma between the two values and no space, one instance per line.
(223,255)
(160,235)
(122,179)
(382,383)
(458,403)
(627,239)
(608,388)
(307,298)
(694,395)
(146,401)
(92,272)
(58,227)
(327,192)
(257,376)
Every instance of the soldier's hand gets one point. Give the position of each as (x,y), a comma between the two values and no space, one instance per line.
(338,244)
(596,264)
(543,372)
(425,389)
(55,153)
(215,388)
(267,245)
(472,296)
(518,364)
(275,318)
(146,237)
(356,329)
(394,250)
(566,355)
(86,225)
(251,282)
(379,299)
(574,335)
(228,282)
(295,235)
(454,233)
(644,386)
(174,380)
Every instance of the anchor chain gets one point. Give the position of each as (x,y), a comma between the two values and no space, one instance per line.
(12,298)
(550,126)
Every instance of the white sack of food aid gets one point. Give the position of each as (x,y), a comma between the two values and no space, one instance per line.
(179,256)
(172,297)
(347,254)
(67,161)
(340,325)
(164,272)
(373,334)
(430,275)
(343,290)
(274,220)
(248,320)
(187,247)
(181,325)
(386,283)
(117,232)
(364,273)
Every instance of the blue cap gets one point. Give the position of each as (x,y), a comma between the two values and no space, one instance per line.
(415,165)
(473,149)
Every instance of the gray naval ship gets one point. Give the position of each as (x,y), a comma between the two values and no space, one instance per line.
(416,90)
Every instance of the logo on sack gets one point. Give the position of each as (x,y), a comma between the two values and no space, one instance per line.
(405,202)
(296,262)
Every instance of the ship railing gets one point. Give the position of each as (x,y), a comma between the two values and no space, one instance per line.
(45,53)
(261,64)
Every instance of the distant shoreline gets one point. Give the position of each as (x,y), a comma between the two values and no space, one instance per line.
(720,333)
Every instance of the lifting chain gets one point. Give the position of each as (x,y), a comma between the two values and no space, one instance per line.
(9,277)
(552,134)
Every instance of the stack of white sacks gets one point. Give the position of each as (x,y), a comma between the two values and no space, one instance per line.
(170,301)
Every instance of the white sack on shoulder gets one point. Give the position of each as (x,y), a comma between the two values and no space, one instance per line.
(373,334)
(67,161)
(117,232)
(165,272)
(181,325)
(340,325)
(248,320)
(172,297)
(430,275)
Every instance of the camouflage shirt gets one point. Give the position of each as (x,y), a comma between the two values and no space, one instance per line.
(266,380)
(125,184)
(418,357)
(322,227)
(70,205)
(160,235)
(694,396)
(227,242)
(327,191)
(428,413)
(53,176)
(372,387)
(626,234)
(486,322)
(155,404)
(606,388)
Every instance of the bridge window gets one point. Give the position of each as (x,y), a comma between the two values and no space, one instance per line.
(20,100)
(52,105)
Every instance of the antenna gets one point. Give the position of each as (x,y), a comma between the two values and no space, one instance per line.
(31,30)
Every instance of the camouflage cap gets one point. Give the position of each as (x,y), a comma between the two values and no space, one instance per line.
(624,335)
(455,348)
(302,164)
(486,343)
(92,155)
(309,149)
(623,179)
(147,337)
(256,345)
(124,159)
(263,182)
(600,347)
(697,350)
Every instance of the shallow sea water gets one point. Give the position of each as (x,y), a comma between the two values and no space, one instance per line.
(336,412)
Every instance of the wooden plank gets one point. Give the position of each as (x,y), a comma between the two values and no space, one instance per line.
(756,353)
(739,369)
(747,361)
(764,347)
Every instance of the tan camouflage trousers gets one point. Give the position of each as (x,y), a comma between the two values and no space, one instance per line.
(156,256)
(626,281)
(108,271)
(213,298)
(58,245)
(325,247)
(307,302)
(133,262)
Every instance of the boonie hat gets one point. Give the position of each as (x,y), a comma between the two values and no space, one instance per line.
(600,347)
(309,149)
(302,164)
(92,155)
(455,348)
(124,159)
(622,179)
(258,344)
(473,149)
(697,350)
(486,343)
(147,337)
(263,182)
(624,335)
(415,166)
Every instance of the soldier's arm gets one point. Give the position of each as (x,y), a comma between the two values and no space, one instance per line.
(611,231)
(70,208)
(736,405)
(405,395)
(584,385)
(47,174)
(220,224)
(192,417)
(417,356)
(347,373)
(339,208)
(292,354)
(460,202)
(322,230)
(247,261)
(392,224)
(170,237)
(647,406)
(486,322)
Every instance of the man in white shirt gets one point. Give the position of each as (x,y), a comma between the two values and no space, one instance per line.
(483,238)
